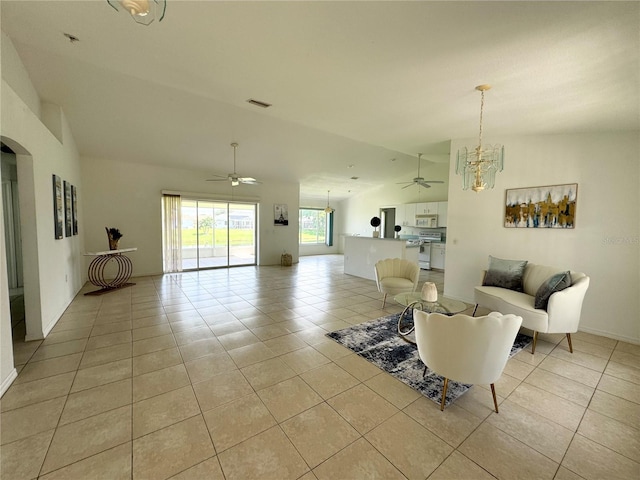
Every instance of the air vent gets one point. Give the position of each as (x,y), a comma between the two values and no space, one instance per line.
(258,103)
(355,178)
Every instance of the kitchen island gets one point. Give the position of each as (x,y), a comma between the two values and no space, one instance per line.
(362,253)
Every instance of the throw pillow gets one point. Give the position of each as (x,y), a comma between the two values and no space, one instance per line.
(505,273)
(551,285)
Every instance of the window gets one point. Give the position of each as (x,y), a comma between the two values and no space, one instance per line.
(313,226)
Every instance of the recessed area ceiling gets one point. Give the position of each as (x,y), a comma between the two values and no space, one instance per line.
(350,83)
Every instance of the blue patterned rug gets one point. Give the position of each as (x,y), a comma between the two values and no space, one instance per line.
(378,342)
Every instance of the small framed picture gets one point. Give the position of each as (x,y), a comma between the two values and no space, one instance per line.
(68,220)
(74,208)
(281,214)
(58,207)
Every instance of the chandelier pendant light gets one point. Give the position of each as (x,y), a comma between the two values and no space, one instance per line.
(328,209)
(143,12)
(478,167)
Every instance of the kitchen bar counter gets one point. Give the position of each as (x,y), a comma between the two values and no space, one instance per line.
(362,253)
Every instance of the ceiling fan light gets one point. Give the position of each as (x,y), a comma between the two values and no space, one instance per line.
(143,12)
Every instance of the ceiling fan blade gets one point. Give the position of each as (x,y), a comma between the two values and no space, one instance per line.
(425,185)
(217,179)
(249,181)
(433,181)
(407,186)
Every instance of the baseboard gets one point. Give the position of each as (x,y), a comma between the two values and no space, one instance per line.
(6,383)
(602,333)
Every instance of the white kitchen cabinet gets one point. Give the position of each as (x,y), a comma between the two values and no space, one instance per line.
(442,213)
(438,251)
(427,208)
(410,214)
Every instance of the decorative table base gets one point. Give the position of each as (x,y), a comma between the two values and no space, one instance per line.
(98,264)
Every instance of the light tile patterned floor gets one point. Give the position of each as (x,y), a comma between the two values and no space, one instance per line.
(227,374)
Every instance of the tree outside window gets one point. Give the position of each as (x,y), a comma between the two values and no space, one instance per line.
(312,226)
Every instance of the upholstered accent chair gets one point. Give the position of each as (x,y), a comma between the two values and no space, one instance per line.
(466,349)
(396,275)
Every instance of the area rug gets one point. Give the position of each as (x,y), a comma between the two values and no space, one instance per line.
(378,342)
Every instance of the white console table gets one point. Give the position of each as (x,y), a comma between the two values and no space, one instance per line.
(98,264)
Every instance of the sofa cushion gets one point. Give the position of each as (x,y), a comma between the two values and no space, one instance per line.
(518,303)
(505,273)
(554,283)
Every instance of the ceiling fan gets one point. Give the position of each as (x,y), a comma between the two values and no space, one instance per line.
(419,180)
(234,178)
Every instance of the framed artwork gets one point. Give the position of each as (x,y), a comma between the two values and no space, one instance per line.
(58,208)
(67,209)
(281,214)
(74,209)
(552,206)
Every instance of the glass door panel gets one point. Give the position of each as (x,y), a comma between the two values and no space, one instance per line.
(242,234)
(189,234)
(217,234)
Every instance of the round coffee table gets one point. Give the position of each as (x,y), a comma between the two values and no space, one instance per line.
(413,300)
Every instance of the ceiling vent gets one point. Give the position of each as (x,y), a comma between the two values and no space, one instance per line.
(258,103)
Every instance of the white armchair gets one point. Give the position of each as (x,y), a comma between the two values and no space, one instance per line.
(466,349)
(396,275)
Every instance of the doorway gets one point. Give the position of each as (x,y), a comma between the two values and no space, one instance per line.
(388,222)
(13,239)
(217,234)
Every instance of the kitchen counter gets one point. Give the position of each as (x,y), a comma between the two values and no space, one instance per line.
(362,253)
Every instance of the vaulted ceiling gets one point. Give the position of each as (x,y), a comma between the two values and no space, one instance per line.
(357,88)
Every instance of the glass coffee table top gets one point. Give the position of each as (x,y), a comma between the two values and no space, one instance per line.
(447,306)
(413,300)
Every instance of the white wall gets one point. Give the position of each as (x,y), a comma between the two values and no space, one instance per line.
(604,244)
(128,197)
(53,273)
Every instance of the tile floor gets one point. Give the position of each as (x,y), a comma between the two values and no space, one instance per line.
(227,374)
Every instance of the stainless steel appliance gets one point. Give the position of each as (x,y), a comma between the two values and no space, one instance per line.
(424,256)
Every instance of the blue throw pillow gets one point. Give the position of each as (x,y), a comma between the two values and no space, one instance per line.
(551,285)
(505,273)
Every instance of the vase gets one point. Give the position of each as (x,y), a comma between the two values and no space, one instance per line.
(429,292)
(113,244)
(376,234)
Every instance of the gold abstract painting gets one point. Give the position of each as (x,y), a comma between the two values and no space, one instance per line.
(551,206)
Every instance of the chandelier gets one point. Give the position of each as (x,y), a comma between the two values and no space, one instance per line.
(328,209)
(143,12)
(478,167)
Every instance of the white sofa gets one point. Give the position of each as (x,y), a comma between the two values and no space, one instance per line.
(563,311)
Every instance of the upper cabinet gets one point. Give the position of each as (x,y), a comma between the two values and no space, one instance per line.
(442,213)
(410,213)
(401,218)
(427,208)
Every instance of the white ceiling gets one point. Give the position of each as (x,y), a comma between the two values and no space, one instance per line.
(352,83)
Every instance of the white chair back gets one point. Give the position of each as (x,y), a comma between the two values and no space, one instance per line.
(467,349)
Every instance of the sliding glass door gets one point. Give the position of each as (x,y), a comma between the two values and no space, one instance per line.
(217,234)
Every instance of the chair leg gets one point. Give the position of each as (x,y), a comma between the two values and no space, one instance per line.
(444,393)
(474,310)
(569,340)
(535,339)
(384,300)
(424,372)
(495,402)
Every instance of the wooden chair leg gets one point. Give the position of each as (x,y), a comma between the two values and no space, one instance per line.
(495,402)
(444,393)
(384,300)
(569,340)
(474,310)
(535,339)
(424,372)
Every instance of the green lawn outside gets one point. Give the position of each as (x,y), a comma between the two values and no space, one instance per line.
(237,238)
